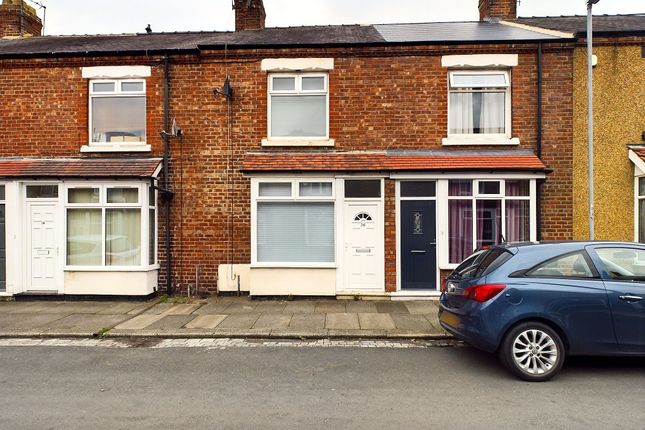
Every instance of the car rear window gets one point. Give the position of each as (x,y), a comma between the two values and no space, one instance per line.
(482,263)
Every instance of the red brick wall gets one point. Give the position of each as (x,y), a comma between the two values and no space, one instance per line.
(505,9)
(380,98)
(11,23)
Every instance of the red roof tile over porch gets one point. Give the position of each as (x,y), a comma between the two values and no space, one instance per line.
(319,161)
(79,167)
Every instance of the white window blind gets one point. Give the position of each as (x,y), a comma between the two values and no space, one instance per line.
(295,232)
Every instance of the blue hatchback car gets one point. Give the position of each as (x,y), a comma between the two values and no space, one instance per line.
(535,303)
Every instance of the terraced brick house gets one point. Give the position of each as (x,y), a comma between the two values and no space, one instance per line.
(324,161)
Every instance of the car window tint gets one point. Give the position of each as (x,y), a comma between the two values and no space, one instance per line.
(469,265)
(565,266)
(623,263)
(491,261)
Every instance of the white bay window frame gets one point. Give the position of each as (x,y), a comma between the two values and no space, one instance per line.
(143,205)
(295,197)
(298,90)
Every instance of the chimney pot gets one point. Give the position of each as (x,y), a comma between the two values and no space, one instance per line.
(249,15)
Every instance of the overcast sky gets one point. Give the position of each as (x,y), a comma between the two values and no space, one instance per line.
(132,16)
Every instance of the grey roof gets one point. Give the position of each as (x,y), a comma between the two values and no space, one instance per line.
(634,23)
(425,33)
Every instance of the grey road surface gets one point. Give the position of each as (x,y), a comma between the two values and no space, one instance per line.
(328,387)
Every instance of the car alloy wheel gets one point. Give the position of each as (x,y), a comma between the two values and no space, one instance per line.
(533,351)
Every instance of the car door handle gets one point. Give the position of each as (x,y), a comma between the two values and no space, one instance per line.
(629,298)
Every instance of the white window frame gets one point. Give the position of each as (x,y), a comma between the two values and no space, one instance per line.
(118,92)
(482,138)
(143,205)
(297,140)
(502,197)
(295,187)
(637,200)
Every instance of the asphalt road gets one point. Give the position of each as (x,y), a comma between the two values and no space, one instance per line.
(286,387)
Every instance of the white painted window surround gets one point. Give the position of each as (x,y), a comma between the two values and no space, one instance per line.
(115,73)
(480,60)
(297,64)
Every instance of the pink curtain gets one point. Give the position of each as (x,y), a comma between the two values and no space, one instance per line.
(460,230)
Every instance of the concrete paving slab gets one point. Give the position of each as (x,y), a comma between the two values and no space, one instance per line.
(268,307)
(139,322)
(142,307)
(158,309)
(360,306)
(417,323)
(421,308)
(119,308)
(51,307)
(299,307)
(171,322)
(328,307)
(342,321)
(27,321)
(307,322)
(273,321)
(241,308)
(83,322)
(205,321)
(182,309)
(433,318)
(213,308)
(375,321)
(391,308)
(241,321)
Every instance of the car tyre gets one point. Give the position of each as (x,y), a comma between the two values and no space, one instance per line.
(532,351)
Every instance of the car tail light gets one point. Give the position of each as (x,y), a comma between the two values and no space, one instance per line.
(444,285)
(483,293)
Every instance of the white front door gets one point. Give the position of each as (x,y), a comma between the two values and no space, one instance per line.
(363,259)
(43,260)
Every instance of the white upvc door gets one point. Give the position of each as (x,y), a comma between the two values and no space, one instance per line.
(363,250)
(43,249)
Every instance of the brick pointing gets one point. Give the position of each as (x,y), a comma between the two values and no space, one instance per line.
(380,98)
(11,23)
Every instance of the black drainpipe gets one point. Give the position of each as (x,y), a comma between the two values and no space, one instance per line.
(538,197)
(166,164)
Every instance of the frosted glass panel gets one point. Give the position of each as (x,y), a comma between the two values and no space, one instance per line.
(312,189)
(313,83)
(275,189)
(132,86)
(84,237)
(83,195)
(295,232)
(284,84)
(298,116)
(119,119)
(122,195)
(479,81)
(102,87)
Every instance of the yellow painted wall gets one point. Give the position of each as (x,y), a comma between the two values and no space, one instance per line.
(619,119)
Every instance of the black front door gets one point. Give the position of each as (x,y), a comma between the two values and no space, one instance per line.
(418,245)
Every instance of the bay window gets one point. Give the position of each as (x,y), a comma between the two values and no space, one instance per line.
(479,104)
(106,226)
(294,222)
(487,212)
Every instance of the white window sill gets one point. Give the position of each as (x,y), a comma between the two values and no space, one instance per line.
(111,268)
(293,266)
(462,141)
(128,147)
(298,142)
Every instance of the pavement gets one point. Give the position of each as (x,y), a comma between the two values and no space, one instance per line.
(223,317)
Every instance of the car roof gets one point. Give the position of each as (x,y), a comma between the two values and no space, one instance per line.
(565,244)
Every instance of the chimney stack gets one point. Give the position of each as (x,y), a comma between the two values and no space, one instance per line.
(18,19)
(249,15)
(501,9)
